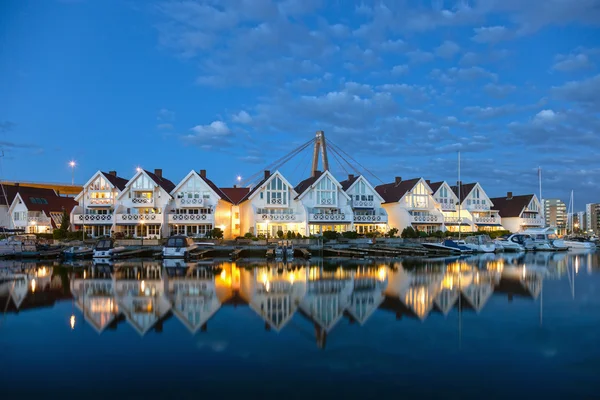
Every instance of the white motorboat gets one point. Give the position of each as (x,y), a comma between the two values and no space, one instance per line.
(480,244)
(503,244)
(545,239)
(284,249)
(105,248)
(450,246)
(179,247)
(17,244)
(579,243)
(78,251)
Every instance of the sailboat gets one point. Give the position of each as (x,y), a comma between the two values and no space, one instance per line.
(573,242)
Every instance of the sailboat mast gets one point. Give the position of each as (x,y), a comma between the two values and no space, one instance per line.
(459,197)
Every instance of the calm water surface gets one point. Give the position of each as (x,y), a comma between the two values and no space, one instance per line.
(490,326)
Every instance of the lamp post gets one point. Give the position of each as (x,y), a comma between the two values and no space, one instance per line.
(72,165)
(142,222)
(267,222)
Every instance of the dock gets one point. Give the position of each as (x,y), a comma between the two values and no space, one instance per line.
(304,252)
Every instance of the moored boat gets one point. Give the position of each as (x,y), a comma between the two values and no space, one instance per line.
(179,247)
(448,245)
(77,252)
(105,248)
(480,244)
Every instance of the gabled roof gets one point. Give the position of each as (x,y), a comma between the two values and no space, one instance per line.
(162,182)
(511,206)
(307,183)
(38,199)
(235,194)
(116,181)
(262,182)
(11,192)
(210,183)
(465,189)
(347,184)
(435,186)
(393,192)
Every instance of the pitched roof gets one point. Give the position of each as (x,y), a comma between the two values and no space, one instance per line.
(38,199)
(235,195)
(116,181)
(255,188)
(393,192)
(465,189)
(349,182)
(11,192)
(305,184)
(214,187)
(435,186)
(162,182)
(513,206)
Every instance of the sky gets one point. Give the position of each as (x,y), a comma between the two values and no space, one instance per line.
(231,86)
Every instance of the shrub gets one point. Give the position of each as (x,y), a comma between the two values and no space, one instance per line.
(280,234)
(249,235)
(409,233)
(330,235)
(438,234)
(215,233)
(392,232)
(290,235)
(350,234)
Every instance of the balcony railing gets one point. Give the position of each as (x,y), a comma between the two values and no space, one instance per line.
(478,207)
(322,217)
(487,220)
(93,218)
(362,203)
(448,207)
(142,200)
(100,202)
(277,217)
(191,202)
(380,219)
(426,218)
(456,220)
(184,218)
(276,202)
(326,202)
(135,218)
(38,220)
(532,221)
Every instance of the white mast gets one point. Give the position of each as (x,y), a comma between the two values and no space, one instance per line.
(459,196)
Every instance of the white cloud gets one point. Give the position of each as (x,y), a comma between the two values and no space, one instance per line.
(545,116)
(491,34)
(447,49)
(572,62)
(216,128)
(400,69)
(242,118)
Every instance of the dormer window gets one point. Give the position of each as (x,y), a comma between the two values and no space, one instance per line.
(277,192)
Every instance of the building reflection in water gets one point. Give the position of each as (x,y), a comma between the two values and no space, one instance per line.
(146,293)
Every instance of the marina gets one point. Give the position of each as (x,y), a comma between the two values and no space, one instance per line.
(305,318)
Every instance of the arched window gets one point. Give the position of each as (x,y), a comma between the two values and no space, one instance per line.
(326,192)
(277,192)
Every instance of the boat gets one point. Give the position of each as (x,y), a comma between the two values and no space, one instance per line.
(179,247)
(480,244)
(503,244)
(77,252)
(284,249)
(579,243)
(105,248)
(545,239)
(448,245)
(18,244)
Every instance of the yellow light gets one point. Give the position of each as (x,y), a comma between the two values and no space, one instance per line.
(84,274)
(33,286)
(223,274)
(223,228)
(292,278)
(143,286)
(72,321)
(381,274)
(42,272)
(267,286)
(264,278)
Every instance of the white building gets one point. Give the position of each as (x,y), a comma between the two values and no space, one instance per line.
(97,203)
(369,215)
(198,206)
(477,207)
(272,206)
(411,203)
(38,210)
(519,212)
(326,204)
(141,206)
(448,202)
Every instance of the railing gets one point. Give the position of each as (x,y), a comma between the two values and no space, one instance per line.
(276,202)
(326,202)
(133,218)
(478,207)
(532,221)
(277,217)
(486,220)
(100,202)
(371,218)
(322,217)
(456,220)
(94,218)
(191,202)
(182,218)
(448,207)
(142,200)
(418,205)
(362,203)
(425,218)
(38,220)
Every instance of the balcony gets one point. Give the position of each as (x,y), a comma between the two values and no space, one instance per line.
(455,221)
(533,221)
(194,202)
(479,207)
(326,202)
(487,220)
(143,201)
(99,202)
(276,202)
(191,218)
(137,218)
(93,219)
(362,204)
(277,217)
(448,207)
(423,219)
(322,217)
(371,219)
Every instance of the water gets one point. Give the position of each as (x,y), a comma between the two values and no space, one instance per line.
(490,326)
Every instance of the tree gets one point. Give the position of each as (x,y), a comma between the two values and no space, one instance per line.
(350,234)
(62,232)
(290,235)
(330,235)
(409,233)
(280,234)
(216,233)
(393,232)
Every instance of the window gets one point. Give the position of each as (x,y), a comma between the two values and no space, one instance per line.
(100,183)
(236,215)
(277,191)
(143,182)
(326,192)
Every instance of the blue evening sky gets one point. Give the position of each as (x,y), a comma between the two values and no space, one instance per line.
(231,86)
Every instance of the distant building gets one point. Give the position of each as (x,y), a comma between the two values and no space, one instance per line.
(519,213)
(592,214)
(581,220)
(555,213)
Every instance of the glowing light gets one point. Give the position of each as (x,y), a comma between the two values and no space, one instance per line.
(138,169)
(33,284)
(292,278)
(223,228)
(576,265)
(239,178)
(143,286)
(72,164)
(381,274)
(267,286)
(264,278)
(223,274)
(72,322)
(84,274)
(42,272)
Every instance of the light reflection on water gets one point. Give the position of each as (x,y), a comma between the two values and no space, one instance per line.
(533,314)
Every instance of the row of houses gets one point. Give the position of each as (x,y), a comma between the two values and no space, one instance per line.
(149,205)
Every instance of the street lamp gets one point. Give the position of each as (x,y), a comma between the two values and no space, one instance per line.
(72,165)
(239,179)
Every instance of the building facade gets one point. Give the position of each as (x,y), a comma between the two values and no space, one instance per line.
(368,214)
(592,217)
(478,207)
(37,210)
(555,213)
(519,213)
